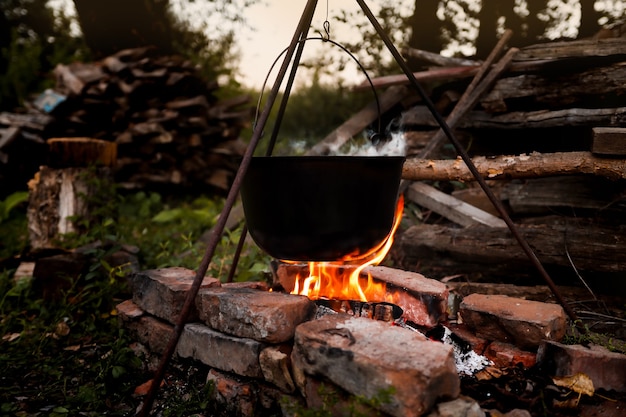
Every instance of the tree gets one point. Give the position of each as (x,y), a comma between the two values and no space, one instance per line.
(531,21)
(32,41)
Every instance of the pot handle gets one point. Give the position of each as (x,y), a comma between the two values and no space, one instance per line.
(376,136)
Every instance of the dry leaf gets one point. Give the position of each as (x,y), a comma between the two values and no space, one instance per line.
(580,383)
(73,348)
(62,329)
(10,337)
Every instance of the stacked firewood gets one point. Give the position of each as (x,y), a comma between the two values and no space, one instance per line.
(170,129)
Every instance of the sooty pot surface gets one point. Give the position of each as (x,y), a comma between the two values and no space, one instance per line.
(320,208)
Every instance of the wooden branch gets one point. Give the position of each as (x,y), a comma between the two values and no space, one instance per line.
(439,74)
(438,59)
(451,207)
(523,166)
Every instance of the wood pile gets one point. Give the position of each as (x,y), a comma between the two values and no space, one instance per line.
(547,132)
(171,130)
(550,138)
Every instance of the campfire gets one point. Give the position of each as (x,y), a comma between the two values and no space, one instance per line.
(343,279)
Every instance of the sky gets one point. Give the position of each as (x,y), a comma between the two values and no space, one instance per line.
(275,22)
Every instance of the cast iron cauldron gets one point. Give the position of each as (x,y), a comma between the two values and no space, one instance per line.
(320,208)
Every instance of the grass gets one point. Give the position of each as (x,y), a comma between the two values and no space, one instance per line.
(68,355)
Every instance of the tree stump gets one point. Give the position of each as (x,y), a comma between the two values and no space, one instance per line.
(65,197)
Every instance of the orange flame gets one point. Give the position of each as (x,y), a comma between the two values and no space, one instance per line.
(341,280)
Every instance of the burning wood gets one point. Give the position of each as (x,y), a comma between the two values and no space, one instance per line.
(376,311)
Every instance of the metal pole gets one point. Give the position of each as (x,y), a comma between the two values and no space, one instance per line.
(303,25)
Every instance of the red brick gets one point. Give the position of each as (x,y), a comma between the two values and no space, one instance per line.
(512,320)
(606,369)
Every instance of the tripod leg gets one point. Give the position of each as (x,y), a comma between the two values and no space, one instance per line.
(470,165)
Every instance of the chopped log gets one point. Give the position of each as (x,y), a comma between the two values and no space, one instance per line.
(67,81)
(33,121)
(583,48)
(450,207)
(545,56)
(591,87)
(569,194)
(538,119)
(609,141)
(8,135)
(515,167)
(81,152)
(438,250)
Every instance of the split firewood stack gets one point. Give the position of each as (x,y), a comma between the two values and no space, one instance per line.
(550,138)
(170,129)
(548,133)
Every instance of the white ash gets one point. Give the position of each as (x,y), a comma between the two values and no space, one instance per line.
(467,361)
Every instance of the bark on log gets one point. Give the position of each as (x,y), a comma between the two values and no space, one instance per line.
(567,88)
(514,167)
(538,119)
(574,194)
(583,48)
(431,249)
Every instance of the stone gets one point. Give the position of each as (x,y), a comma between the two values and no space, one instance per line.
(606,369)
(155,334)
(240,397)
(255,285)
(234,396)
(369,358)
(58,273)
(264,316)
(162,292)
(221,351)
(504,355)
(462,406)
(424,300)
(276,366)
(520,322)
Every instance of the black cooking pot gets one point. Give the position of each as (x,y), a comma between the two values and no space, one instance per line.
(320,208)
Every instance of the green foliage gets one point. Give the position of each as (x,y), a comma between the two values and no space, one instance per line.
(10,203)
(335,401)
(32,42)
(13,222)
(577,337)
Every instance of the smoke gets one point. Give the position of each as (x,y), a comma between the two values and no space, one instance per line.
(391,143)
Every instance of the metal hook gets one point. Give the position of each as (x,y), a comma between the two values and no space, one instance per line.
(327,30)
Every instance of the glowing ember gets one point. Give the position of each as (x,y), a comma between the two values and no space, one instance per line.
(341,280)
